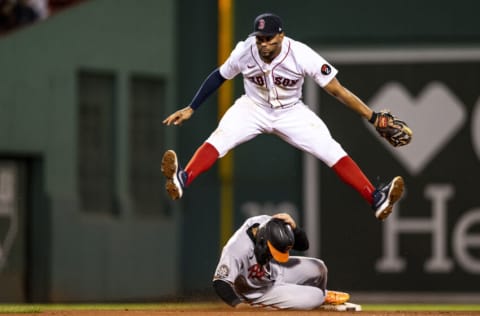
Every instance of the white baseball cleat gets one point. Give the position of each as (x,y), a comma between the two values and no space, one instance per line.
(385,197)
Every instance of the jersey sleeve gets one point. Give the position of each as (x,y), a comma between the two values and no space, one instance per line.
(237,249)
(317,67)
(228,268)
(232,66)
(226,292)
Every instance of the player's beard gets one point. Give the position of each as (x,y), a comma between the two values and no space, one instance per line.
(268,54)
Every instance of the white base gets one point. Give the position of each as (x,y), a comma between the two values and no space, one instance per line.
(345,307)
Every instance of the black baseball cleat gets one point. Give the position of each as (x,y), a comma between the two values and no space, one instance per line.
(385,197)
(176,176)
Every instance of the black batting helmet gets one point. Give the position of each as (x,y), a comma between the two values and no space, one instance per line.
(275,238)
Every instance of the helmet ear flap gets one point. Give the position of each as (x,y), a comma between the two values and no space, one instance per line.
(262,254)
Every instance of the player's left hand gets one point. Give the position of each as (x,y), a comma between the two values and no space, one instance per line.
(179,116)
(395,131)
(286,218)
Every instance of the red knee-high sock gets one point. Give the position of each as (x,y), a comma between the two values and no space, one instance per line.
(351,174)
(202,160)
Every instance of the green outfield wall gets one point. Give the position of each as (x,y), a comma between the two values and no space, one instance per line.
(68,87)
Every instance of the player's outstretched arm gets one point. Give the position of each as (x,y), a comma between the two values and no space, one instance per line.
(179,116)
(210,85)
(336,89)
(392,129)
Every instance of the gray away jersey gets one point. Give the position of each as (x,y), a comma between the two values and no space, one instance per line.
(238,258)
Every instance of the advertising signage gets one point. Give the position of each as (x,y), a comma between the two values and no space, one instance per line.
(431,242)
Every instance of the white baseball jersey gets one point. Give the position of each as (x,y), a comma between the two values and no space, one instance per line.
(272,101)
(279,83)
(298,283)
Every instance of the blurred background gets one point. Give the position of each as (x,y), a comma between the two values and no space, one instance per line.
(85,85)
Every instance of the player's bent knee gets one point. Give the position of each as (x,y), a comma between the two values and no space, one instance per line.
(321,266)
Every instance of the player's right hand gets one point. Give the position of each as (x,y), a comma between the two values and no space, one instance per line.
(286,218)
(179,116)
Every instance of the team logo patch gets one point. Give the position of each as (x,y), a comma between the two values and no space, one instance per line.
(261,24)
(326,70)
(222,272)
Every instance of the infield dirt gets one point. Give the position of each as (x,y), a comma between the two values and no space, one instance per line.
(239,312)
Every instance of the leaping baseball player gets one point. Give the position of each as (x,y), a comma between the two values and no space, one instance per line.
(274,67)
(255,269)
